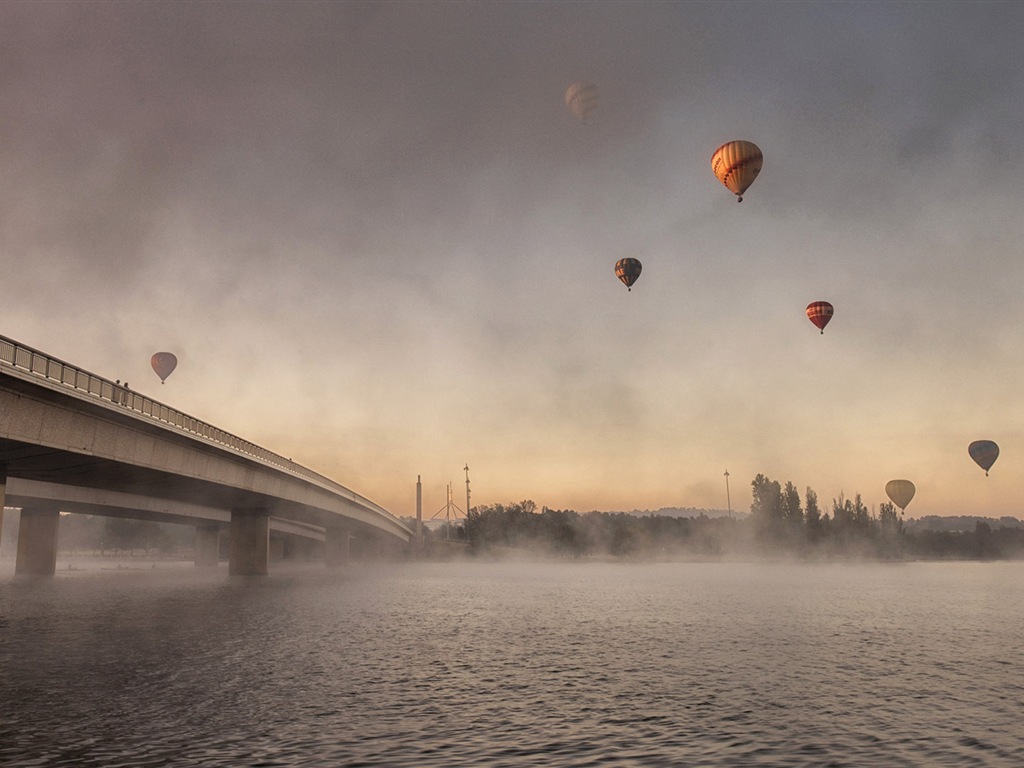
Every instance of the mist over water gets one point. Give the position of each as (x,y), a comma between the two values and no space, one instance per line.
(511,664)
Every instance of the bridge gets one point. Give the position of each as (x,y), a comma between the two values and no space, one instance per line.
(72,441)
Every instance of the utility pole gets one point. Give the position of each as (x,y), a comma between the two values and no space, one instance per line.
(467,491)
(728,499)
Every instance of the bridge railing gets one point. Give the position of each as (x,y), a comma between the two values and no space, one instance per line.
(17,355)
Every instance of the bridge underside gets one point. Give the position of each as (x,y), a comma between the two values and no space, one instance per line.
(65,450)
(51,434)
(44,481)
(50,466)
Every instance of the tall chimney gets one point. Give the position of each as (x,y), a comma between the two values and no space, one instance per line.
(419,516)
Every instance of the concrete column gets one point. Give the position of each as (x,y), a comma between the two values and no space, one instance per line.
(37,541)
(337,547)
(207,546)
(250,542)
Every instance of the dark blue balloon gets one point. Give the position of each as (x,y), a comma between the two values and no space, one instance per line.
(984,453)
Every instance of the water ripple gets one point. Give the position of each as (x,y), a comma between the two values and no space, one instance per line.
(510,665)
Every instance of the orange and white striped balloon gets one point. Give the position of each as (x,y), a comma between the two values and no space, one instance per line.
(737,164)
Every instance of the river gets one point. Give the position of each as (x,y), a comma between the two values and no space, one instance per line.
(516,664)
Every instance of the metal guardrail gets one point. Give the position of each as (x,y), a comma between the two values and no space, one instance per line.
(33,361)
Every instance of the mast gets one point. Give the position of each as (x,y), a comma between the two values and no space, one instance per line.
(728,499)
(419,515)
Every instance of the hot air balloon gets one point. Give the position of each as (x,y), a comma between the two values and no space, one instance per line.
(984,453)
(628,270)
(819,313)
(900,492)
(581,99)
(164,364)
(736,164)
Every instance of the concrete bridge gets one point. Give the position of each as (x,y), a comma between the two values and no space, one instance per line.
(73,441)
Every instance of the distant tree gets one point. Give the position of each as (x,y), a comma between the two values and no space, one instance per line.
(792,514)
(889,520)
(890,529)
(940,544)
(485,526)
(765,502)
(852,529)
(498,525)
(766,507)
(563,531)
(623,535)
(984,544)
(842,516)
(812,516)
(861,516)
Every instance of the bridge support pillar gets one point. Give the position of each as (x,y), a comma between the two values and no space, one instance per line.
(250,542)
(37,541)
(207,546)
(337,547)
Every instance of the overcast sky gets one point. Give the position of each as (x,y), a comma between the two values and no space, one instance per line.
(380,244)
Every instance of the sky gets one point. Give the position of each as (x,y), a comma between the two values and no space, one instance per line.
(380,244)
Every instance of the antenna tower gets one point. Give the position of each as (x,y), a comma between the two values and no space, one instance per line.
(447,509)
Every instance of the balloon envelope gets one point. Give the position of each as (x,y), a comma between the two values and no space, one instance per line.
(984,453)
(164,364)
(628,270)
(736,164)
(581,99)
(819,313)
(900,492)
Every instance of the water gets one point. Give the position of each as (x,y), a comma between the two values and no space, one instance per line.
(490,664)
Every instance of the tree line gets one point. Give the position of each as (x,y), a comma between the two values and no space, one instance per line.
(782,522)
